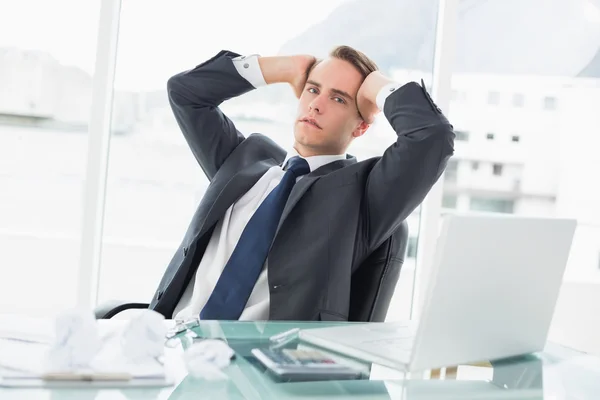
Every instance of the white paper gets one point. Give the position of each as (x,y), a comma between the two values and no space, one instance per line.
(24,328)
(76,347)
(22,358)
(144,336)
(207,358)
(76,341)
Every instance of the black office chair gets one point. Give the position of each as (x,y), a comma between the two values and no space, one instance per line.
(372,285)
(374,282)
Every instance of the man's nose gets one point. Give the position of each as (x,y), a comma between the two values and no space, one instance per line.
(315,105)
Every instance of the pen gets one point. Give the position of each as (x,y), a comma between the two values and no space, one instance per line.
(284,335)
(94,376)
(183,326)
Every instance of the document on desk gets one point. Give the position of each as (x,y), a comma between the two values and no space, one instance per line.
(23,364)
(26,329)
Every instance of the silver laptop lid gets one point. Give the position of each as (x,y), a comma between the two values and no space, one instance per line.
(493,288)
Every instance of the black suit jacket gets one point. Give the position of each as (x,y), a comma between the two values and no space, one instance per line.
(335,216)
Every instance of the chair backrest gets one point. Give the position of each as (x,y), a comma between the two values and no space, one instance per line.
(374,281)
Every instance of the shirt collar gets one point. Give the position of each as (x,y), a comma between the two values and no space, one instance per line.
(314,162)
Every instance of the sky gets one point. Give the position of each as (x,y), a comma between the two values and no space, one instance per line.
(157,38)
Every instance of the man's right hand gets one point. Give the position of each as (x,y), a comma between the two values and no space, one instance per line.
(287,69)
(302,65)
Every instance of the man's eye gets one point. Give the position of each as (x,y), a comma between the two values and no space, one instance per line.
(312,90)
(339,100)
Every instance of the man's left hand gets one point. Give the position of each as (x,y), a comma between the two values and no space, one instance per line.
(366,98)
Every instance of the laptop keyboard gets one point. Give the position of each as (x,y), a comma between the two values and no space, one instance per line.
(400,342)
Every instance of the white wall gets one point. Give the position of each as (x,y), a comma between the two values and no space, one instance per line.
(26,86)
(576,322)
(579,188)
(535,206)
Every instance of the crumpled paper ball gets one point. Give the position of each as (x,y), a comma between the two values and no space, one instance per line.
(76,341)
(144,336)
(207,358)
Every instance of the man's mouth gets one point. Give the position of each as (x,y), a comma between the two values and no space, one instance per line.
(312,122)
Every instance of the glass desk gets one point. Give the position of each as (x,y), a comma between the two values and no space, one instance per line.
(557,373)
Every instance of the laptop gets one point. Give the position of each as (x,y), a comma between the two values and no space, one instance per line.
(491,295)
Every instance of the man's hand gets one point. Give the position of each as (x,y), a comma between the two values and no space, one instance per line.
(302,65)
(366,98)
(287,69)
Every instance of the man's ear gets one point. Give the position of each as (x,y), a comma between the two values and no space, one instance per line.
(360,129)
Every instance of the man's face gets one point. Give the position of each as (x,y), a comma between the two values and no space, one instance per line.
(327,119)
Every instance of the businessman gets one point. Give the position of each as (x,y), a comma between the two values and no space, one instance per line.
(278,234)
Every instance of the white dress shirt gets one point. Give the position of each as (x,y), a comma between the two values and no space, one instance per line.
(229,229)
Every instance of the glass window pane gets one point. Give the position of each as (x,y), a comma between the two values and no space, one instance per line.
(554,116)
(46,69)
(549,103)
(493,98)
(497,169)
(462,135)
(492,205)
(154,182)
(518,100)
(449,201)
(451,173)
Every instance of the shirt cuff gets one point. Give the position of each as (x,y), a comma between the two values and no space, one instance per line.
(384,92)
(249,69)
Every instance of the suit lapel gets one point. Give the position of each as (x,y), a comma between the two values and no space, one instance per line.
(237,186)
(297,192)
(305,183)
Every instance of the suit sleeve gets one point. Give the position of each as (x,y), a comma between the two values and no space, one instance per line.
(195,96)
(403,176)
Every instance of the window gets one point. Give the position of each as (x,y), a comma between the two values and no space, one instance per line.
(411,250)
(493,98)
(45,87)
(43,130)
(497,169)
(451,172)
(449,201)
(492,205)
(518,100)
(549,103)
(490,136)
(458,96)
(150,203)
(462,135)
(540,186)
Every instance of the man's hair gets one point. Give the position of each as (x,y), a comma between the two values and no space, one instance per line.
(361,62)
(358,59)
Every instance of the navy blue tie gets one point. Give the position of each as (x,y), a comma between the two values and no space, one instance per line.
(241,272)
